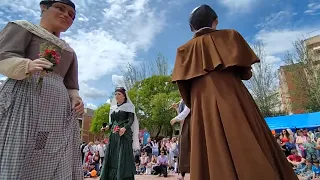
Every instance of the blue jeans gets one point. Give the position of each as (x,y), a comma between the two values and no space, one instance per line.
(155,153)
(318,154)
(97,166)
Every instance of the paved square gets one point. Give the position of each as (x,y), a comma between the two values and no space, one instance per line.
(170,177)
(147,177)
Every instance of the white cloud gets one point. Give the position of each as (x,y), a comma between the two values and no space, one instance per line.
(272,59)
(313,9)
(108,101)
(106,34)
(278,41)
(91,93)
(282,18)
(91,106)
(276,35)
(238,5)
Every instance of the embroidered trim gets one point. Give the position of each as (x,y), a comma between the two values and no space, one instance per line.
(43,33)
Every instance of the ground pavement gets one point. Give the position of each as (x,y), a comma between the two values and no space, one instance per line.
(171,176)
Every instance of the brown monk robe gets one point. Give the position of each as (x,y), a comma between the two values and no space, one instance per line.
(230,140)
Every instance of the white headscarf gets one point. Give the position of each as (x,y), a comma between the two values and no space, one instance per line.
(118,81)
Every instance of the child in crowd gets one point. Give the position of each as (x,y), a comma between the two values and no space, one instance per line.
(295,159)
(306,170)
(137,161)
(149,167)
(137,168)
(143,162)
(316,170)
(153,161)
(89,170)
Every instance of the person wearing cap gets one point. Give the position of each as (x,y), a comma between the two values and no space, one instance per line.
(230,139)
(39,137)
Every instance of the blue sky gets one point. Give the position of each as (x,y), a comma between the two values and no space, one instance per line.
(107,34)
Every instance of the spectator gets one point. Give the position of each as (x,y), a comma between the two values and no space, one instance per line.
(300,140)
(306,171)
(143,162)
(162,165)
(101,149)
(148,148)
(155,148)
(96,160)
(316,170)
(295,159)
(149,167)
(310,149)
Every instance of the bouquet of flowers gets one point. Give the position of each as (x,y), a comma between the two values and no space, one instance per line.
(50,53)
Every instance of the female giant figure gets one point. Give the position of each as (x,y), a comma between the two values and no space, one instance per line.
(39,137)
(119,160)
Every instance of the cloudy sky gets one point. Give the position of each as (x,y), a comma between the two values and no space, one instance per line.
(107,34)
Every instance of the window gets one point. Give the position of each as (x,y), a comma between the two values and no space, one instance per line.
(80,122)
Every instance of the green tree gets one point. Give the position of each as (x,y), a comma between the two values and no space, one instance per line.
(101,115)
(152,98)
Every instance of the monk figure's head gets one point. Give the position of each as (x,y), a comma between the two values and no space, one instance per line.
(203,17)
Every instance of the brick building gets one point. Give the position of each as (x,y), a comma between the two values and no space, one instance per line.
(295,78)
(293,98)
(85,123)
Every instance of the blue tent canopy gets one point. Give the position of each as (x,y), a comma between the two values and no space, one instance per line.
(310,120)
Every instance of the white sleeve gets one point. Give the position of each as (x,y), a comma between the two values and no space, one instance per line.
(183,114)
(85,149)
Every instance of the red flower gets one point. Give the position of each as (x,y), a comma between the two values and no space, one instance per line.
(53,53)
(47,52)
(116,129)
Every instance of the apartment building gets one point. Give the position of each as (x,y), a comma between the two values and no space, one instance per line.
(295,78)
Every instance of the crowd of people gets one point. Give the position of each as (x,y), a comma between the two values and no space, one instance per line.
(156,157)
(92,157)
(302,149)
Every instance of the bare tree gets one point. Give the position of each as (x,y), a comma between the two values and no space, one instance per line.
(303,65)
(264,84)
(136,73)
(162,65)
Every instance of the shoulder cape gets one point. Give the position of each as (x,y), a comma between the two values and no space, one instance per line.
(127,107)
(43,33)
(214,50)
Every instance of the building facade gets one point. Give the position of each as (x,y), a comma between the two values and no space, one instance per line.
(296,78)
(293,98)
(85,123)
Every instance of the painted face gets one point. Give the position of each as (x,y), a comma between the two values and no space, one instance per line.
(59,15)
